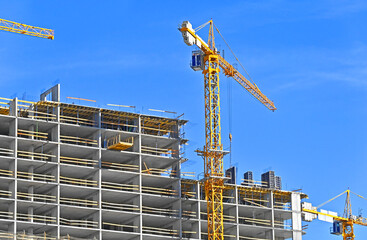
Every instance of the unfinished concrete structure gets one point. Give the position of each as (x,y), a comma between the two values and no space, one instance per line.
(75,172)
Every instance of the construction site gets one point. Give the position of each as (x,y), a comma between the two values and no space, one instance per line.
(74,171)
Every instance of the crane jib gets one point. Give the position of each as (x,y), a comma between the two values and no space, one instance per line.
(229,70)
(21,28)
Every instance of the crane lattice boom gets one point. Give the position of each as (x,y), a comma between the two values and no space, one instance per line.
(15,27)
(230,71)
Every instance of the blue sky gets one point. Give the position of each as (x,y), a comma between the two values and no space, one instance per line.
(309,57)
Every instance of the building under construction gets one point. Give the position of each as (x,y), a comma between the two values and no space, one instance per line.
(69,171)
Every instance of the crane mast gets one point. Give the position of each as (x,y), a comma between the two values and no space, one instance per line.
(348,228)
(213,150)
(21,28)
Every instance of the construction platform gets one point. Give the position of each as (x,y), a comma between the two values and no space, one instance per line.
(76,172)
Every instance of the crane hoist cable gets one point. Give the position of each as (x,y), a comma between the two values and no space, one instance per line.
(324,203)
(201,26)
(359,195)
(234,55)
(229,100)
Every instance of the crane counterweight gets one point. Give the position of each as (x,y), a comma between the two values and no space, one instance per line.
(188,38)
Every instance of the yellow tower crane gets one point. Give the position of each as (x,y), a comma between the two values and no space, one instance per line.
(15,27)
(209,61)
(347,221)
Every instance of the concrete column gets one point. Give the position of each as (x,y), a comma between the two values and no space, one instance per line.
(55,134)
(140,179)
(269,234)
(57,154)
(198,189)
(180,202)
(56,111)
(271,202)
(30,213)
(11,209)
(31,171)
(237,212)
(136,222)
(55,94)
(12,128)
(30,230)
(14,146)
(296,216)
(99,158)
(13,107)
(31,191)
(177,169)
(31,128)
(11,229)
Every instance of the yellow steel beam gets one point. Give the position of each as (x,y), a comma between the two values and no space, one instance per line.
(21,28)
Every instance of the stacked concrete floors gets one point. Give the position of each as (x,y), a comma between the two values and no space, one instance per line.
(69,171)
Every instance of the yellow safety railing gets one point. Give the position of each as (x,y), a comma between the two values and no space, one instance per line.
(36,197)
(36,176)
(160,211)
(160,231)
(35,218)
(79,223)
(6,215)
(78,140)
(120,227)
(32,134)
(6,173)
(120,186)
(254,221)
(78,181)
(120,206)
(168,152)
(77,120)
(5,194)
(78,161)
(159,191)
(120,166)
(78,202)
(189,214)
(35,155)
(6,151)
